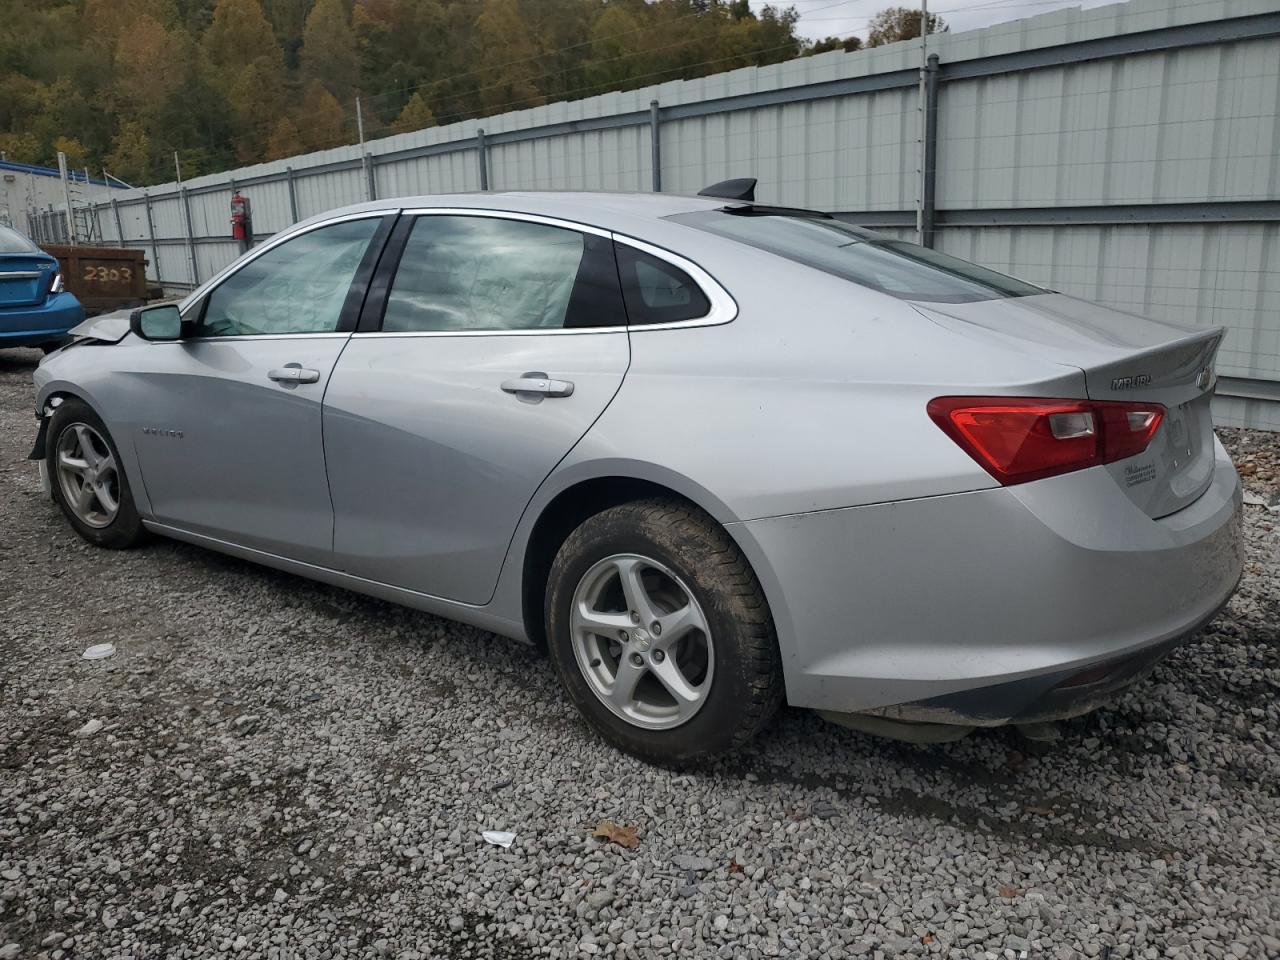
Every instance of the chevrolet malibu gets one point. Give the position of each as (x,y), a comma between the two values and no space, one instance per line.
(713,454)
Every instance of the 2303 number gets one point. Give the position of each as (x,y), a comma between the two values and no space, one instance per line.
(107,274)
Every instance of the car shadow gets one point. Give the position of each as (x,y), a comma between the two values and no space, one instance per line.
(17,359)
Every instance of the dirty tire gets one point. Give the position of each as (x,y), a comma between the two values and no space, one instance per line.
(746,686)
(125,529)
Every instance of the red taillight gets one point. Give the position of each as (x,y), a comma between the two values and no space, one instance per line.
(1016,439)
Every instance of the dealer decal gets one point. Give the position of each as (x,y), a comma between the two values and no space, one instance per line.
(1140,473)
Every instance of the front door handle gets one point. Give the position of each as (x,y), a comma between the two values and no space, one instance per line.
(532,387)
(293,373)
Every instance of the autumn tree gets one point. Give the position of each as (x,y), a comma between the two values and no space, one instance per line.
(239,35)
(847,44)
(900,23)
(416,115)
(507,57)
(322,122)
(285,140)
(151,63)
(130,156)
(20,147)
(329,53)
(243,62)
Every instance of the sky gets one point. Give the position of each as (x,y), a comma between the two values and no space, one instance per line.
(827,18)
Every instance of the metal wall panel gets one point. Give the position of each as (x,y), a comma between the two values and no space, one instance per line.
(1188,125)
(617,159)
(457,172)
(1224,274)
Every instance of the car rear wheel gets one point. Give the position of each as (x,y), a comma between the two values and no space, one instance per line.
(89,482)
(660,633)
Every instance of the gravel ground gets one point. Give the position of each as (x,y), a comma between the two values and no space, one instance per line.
(283,770)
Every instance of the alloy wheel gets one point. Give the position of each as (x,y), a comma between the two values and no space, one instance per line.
(642,641)
(88,475)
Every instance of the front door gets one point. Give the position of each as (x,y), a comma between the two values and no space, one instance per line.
(234,448)
(501,342)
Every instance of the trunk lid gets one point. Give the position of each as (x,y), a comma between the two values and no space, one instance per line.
(1124,357)
(25,279)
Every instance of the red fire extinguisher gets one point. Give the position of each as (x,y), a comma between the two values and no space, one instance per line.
(241,220)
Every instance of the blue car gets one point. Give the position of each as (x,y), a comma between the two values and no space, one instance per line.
(35,310)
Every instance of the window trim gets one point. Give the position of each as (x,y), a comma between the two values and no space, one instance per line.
(723,307)
(200,295)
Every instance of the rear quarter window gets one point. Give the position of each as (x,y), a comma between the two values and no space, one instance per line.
(656,291)
(900,269)
(11,241)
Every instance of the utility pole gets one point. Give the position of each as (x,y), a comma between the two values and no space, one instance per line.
(924,68)
(364,157)
(66,196)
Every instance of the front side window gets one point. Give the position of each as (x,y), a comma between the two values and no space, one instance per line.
(477,273)
(299,286)
(895,267)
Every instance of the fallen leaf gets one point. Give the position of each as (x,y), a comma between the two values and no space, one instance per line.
(927,939)
(1040,811)
(1008,892)
(615,833)
(735,866)
(1247,469)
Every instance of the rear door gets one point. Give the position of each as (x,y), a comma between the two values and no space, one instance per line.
(490,349)
(228,430)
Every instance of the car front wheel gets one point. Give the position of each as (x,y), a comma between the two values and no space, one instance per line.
(660,633)
(88,479)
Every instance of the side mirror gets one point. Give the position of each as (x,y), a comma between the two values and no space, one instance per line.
(161,322)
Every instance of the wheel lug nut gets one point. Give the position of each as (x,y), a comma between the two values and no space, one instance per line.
(658,656)
(624,636)
(637,660)
(635,617)
(655,628)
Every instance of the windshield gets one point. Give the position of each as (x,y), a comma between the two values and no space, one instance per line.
(895,267)
(11,241)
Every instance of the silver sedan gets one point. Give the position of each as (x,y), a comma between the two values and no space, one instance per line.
(714,455)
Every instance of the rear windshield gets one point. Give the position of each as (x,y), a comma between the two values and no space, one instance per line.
(11,241)
(895,267)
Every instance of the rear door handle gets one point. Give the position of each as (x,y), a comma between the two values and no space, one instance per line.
(293,373)
(532,387)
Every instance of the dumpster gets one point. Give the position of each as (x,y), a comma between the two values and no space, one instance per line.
(102,278)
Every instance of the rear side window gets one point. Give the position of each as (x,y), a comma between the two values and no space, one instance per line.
(464,273)
(895,267)
(657,291)
(11,241)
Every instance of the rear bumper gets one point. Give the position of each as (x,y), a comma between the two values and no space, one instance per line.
(34,325)
(984,607)
(1045,697)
